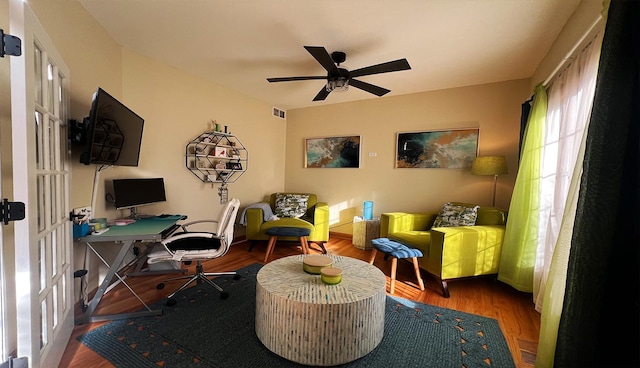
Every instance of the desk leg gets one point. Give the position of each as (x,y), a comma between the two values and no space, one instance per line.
(88,316)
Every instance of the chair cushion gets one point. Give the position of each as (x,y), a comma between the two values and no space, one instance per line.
(194,243)
(288,231)
(456,215)
(395,249)
(291,205)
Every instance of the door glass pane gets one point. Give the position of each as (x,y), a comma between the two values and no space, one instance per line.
(51,137)
(63,282)
(54,252)
(40,202)
(42,263)
(52,198)
(43,323)
(37,61)
(54,304)
(38,142)
(51,96)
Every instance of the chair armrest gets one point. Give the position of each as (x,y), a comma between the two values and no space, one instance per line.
(181,236)
(320,222)
(461,251)
(394,222)
(254,218)
(187,224)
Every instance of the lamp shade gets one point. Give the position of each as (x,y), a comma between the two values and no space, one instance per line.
(489,165)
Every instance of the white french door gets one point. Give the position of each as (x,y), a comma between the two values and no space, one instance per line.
(41,178)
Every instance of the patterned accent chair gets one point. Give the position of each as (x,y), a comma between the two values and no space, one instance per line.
(315,218)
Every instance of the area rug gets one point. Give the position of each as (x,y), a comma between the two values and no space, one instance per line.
(202,330)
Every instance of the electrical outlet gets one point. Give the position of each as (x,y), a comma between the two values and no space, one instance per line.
(373,154)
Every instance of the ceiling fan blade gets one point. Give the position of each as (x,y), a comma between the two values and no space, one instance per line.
(390,66)
(323,57)
(289,79)
(378,91)
(322,94)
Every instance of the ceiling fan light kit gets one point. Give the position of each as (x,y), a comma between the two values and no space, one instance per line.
(339,79)
(339,84)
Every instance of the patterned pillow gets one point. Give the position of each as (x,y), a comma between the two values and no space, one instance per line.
(454,215)
(291,205)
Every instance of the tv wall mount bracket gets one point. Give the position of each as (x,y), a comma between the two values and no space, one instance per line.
(10,45)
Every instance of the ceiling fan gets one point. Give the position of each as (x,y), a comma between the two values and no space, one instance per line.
(339,79)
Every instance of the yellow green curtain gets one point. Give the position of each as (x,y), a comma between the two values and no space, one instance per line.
(521,235)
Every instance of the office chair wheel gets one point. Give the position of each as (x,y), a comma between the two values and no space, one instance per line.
(224,295)
(171,302)
(160,286)
(237,277)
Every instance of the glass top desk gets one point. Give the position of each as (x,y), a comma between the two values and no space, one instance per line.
(153,229)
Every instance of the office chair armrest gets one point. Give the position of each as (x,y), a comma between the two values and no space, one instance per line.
(187,224)
(181,236)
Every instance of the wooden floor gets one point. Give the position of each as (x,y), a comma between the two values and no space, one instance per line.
(484,296)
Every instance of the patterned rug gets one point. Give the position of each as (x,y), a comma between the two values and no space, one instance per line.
(202,330)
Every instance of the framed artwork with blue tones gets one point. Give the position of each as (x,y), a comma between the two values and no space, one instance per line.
(332,152)
(450,149)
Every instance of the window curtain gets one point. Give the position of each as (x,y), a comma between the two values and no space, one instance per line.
(600,319)
(517,259)
(551,268)
(536,215)
(570,101)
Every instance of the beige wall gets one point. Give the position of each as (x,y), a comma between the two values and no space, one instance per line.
(493,108)
(585,15)
(176,107)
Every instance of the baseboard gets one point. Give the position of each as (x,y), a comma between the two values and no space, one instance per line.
(340,235)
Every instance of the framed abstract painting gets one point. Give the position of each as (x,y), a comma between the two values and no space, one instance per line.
(450,149)
(332,152)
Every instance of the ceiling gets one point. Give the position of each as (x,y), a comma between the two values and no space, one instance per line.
(240,43)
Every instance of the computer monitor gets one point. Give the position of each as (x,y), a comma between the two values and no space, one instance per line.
(133,193)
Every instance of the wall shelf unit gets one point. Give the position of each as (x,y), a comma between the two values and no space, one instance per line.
(216,157)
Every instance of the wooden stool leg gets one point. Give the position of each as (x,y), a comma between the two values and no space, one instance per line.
(417,270)
(394,268)
(373,256)
(304,244)
(270,246)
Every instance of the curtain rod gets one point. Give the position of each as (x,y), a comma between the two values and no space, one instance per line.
(569,54)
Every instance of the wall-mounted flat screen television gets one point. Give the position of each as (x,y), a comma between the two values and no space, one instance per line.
(133,193)
(113,133)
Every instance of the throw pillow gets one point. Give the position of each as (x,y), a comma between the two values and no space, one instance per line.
(291,205)
(454,215)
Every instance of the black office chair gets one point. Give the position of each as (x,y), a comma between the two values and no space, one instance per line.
(186,246)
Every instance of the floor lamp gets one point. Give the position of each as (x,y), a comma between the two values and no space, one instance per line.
(490,165)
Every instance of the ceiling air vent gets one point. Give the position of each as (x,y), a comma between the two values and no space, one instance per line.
(278,113)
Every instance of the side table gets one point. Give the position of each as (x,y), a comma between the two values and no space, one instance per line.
(364,231)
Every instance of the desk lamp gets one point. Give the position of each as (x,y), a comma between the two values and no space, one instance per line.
(490,165)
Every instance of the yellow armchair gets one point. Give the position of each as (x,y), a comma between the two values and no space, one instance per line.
(450,252)
(316,219)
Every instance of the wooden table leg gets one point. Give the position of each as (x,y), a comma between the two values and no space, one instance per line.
(270,246)
(416,267)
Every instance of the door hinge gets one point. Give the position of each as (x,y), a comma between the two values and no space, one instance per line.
(11,211)
(9,45)
(15,363)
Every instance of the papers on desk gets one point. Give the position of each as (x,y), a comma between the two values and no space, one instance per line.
(121,222)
